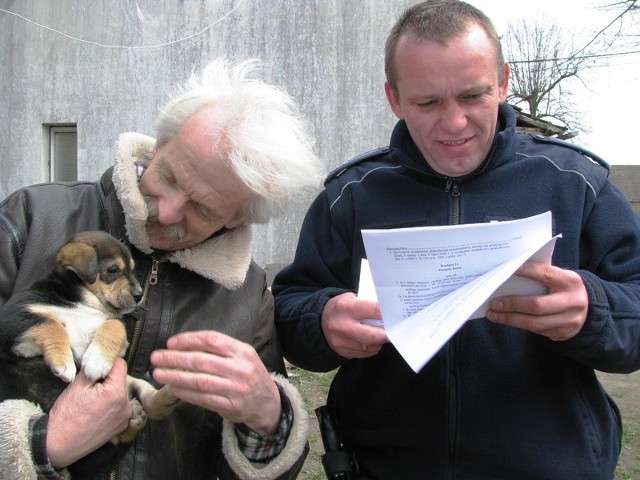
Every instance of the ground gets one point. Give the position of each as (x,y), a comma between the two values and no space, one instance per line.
(624,389)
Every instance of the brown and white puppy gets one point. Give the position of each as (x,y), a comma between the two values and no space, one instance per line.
(73,317)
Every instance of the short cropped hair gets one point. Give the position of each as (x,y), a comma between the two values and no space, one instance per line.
(267,144)
(438,20)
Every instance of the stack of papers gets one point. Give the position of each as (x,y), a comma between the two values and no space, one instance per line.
(430,280)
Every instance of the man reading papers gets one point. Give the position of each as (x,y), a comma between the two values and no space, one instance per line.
(512,394)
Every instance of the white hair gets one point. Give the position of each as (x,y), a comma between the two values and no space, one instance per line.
(267,143)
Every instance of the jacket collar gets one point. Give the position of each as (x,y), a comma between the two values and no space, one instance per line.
(223,258)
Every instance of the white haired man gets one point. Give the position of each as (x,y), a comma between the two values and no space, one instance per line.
(231,151)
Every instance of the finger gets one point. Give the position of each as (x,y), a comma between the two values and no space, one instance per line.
(204,340)
(364,350)
(228,406)
(213,393)
(530,305)
(372,335)
(550,276)
(119,368)
(195,381)
(118,372)
(533,270)
(366,309)
(554,303)
(353,307)
(197,361)
(556,327)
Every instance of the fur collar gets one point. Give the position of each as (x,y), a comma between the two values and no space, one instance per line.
(224,258)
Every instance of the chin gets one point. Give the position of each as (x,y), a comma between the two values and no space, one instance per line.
(158,241)
(167,245)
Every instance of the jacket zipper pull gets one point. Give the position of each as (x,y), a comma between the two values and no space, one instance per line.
(447,187)
(153,276)
(453,187)
(152,279)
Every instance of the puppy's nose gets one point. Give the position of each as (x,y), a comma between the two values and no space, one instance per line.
(137,296)
(136,290)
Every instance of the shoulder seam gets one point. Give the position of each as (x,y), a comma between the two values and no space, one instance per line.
(354,161)
(358,181)
(577,148)
(559,168)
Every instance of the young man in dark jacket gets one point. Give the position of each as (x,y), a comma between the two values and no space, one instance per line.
(510,396)
(231,151)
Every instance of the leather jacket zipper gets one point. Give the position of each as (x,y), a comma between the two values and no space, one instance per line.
(152,279)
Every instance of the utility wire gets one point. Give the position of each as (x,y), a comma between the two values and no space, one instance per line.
(127,47)
(576,57)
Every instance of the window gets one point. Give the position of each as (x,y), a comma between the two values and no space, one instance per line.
(63,152)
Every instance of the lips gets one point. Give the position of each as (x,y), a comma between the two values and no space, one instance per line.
(455,143)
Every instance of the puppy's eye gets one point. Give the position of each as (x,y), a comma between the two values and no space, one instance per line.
(113,270)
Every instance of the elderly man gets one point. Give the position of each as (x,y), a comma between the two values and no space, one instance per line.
(230,151)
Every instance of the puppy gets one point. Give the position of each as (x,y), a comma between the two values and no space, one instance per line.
(73,317)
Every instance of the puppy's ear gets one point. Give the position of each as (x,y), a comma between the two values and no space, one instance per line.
(79,258)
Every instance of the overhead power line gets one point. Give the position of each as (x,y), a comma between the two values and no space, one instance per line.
(581,57)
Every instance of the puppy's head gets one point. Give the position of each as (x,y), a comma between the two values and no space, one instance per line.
(104,267)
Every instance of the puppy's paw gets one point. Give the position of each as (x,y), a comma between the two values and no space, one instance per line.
(95,365)
(138,415)
(136,422)
(163,404)
(66,372)
(158,404)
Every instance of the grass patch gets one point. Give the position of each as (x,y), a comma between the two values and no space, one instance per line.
(629,464)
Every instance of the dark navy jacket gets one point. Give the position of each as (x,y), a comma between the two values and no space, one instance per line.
(496,402)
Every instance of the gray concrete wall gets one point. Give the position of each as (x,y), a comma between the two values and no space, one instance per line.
(627,179)
(109,65)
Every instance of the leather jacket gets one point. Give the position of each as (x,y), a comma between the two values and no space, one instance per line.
(193,289)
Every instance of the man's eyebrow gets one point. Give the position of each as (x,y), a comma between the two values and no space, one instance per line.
(164,168)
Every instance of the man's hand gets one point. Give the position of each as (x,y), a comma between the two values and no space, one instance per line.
(343,328)
(87,415)
(219,373)
(558,315)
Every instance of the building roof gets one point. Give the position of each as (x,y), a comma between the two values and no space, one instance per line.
(525,123)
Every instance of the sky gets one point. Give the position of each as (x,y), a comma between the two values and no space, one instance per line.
(611,104)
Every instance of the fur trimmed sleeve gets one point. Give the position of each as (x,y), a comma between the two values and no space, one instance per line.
(293,450)
(16,462)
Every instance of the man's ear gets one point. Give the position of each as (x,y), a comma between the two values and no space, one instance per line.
(392,98)
(503,88)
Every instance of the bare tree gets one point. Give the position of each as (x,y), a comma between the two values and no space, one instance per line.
(545,67)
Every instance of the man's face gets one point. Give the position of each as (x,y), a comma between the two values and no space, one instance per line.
(190,189)
(449,97)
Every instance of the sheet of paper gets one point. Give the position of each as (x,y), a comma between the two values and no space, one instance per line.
(367,291)
(429,281)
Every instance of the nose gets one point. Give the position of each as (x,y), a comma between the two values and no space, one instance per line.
(137,296)
(171,206)
(454,117)
(136,290)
